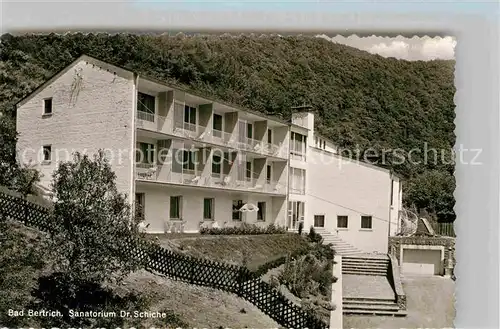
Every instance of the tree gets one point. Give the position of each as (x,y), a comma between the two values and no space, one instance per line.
(433,190)
(93,222)
(8,140)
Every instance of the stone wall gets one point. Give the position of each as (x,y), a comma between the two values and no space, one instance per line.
(336,314)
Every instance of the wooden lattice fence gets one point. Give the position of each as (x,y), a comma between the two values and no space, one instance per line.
(229,278)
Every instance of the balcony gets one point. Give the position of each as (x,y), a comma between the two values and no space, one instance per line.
(149,172)
(161,124)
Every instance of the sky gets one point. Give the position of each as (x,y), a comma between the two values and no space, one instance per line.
(416,48)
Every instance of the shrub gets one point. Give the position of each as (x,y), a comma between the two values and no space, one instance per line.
(310,273)
(322,251)
(314,237)
(296,275)
(23,255)
(262,269)
(244,229)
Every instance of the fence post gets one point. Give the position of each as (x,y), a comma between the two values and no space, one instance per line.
(191,271)
(240,280)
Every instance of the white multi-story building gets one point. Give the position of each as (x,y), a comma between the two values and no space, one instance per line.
(191,161)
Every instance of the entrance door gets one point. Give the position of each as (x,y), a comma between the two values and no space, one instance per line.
(140,206)
(295,214)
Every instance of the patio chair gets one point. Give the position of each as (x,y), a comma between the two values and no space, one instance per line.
(168,226)
(150,173)
(226,180)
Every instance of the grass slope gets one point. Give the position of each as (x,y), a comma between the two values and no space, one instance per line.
(251,250)
(199,307)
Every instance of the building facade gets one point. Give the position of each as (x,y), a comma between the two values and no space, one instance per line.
(187,161)
(336,194)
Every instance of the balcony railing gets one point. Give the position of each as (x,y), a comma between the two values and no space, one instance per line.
(200,133)
(295,190)
(149,172)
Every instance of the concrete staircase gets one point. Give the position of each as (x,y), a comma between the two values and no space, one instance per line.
(364,265)
(340,246)
(371,306)
(367,289)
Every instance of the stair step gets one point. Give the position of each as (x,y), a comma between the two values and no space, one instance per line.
(375,265)
(348,299)
(370,269)
(364,273)
(366,259)
(381,270)
(363,307)
(349,261)
(365,265)
(343,247)
(352,269)
(373,312)
(367,302)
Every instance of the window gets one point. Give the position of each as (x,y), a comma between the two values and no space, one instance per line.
(269,136)
(268,174)
(139,205)
(146,103)
(47,153)
(217,125)
(319,220)
(249,171)
(342,222)
(297,181)
(216,165)
(145,153)
(189,114)
(208,209)
(298,146)
(237,204)
(366,222)
(249,130)
(188,160)
(47,106)
(176,207)
(261,213)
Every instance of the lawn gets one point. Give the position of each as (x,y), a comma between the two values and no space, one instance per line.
(430,304)
(251,250)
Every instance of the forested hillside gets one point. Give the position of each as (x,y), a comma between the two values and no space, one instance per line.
(362,100)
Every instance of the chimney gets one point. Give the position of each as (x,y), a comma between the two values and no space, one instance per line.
(303,116)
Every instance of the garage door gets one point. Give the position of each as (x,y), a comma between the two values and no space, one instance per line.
(421,262)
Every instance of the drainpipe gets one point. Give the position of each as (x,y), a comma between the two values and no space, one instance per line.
(134,139)
(287,199)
